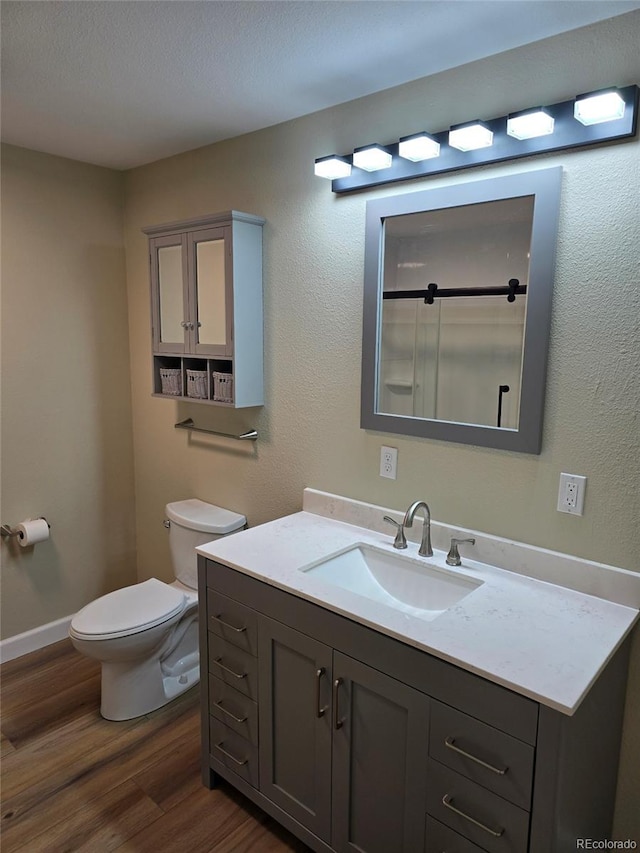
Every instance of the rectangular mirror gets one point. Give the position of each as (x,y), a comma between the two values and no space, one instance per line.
(171,309)
(210,288)
(457,306)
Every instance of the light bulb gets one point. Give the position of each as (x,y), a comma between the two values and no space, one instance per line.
(371,158)
(418,147)
(332,167)
(469,137)
(598,107)
(528,125)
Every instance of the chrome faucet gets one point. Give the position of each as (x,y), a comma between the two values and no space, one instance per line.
(425,549)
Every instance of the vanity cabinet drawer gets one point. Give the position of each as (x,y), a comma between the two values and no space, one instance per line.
(494,824)
(440,839)
(232,621)
(482,753)
(233,751)
(233,708)
(234,666)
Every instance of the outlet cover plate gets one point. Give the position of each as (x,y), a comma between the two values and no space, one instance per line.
(571,493)
(389,462)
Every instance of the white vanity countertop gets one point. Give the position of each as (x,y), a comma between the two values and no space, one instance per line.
(544,641)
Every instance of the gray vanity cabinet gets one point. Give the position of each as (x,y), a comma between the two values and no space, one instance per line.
(295,724)
(380,731)
(206,309)
(336,738)
(360,743)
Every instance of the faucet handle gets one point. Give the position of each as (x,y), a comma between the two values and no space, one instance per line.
(453,557)
(400,541)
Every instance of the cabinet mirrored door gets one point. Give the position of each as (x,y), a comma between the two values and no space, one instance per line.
(211,291)
(170,331)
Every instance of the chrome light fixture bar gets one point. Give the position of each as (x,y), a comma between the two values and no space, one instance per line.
(609,115)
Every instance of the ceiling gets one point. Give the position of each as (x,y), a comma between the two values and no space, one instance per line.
(120,83)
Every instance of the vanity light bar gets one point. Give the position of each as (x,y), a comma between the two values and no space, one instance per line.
(607,115)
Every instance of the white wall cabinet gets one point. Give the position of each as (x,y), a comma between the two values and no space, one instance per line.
(206,309)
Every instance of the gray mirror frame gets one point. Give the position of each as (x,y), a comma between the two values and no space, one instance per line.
(544,185)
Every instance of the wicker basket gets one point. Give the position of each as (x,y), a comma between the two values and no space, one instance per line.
(171,381)
(222,387)
(197,384)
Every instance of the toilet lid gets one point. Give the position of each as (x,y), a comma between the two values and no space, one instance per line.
(195,514)
(129,610)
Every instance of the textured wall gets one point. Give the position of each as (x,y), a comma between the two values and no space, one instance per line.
(66,407)
(313,253)
(313,299)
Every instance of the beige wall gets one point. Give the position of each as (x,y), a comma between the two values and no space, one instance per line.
(313,252)
(66,400)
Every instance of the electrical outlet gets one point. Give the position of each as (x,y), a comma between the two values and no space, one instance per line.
(389,462)
(571,493)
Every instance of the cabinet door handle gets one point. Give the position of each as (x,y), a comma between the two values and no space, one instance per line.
(228,624)
(450,743)
(337,722)
(319,711)
(229,670)
(237,761)
(447,801)
(229,714)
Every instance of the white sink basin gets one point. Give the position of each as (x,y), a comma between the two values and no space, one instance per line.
(411,585)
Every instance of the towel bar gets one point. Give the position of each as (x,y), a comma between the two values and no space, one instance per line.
(250,435)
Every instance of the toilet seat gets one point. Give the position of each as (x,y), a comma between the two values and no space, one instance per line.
(127,611)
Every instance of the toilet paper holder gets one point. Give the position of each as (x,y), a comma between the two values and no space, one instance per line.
(9,532)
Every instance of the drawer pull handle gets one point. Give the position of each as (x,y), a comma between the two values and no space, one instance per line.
(447,801)
(229,714)
(450,743)
(337,722)
(229,625)
(229,670)
(319,710)
(238,761)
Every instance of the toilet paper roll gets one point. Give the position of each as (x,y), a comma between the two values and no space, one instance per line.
(32,531)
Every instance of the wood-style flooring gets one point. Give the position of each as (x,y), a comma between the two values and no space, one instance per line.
(73,781)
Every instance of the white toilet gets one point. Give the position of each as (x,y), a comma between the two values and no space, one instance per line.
(146,635)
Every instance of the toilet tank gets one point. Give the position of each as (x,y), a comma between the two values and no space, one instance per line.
(192,523)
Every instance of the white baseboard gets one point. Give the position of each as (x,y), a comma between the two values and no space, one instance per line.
(36,638)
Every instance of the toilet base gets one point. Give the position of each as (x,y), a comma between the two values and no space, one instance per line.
(131,689)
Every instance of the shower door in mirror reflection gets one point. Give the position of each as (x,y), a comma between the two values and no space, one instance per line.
(457,307)
(447,359)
